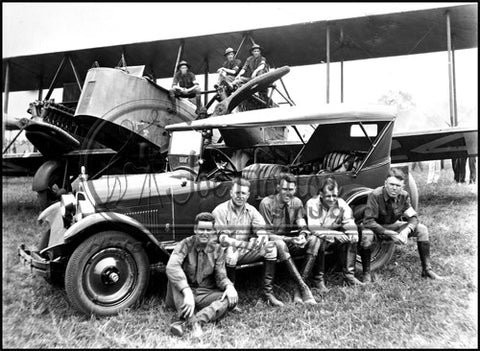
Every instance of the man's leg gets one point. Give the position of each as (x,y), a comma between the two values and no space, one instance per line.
(462,169)
(472,164)
(366,242)
(174,299)
(173,100)
(284,256)
(269,253)
(348,256)
(423,245)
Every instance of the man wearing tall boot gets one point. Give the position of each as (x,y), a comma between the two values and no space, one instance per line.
(184,85)
(385,206)
(331,220)
(284,214)
(241,230)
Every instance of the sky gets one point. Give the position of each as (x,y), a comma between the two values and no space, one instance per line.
(32,28)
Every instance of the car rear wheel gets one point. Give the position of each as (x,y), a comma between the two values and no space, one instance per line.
(107,273)
(382,251)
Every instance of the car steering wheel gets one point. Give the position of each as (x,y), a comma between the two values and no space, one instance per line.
(224,165)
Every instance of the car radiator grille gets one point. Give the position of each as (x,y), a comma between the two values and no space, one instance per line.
(147,218)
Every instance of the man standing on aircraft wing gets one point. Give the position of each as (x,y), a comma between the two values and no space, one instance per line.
(226,73)
(185,85)
(331,220)
(385,206)
(197,279)
(284,213)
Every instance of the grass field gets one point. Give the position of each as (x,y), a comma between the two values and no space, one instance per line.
(399,310)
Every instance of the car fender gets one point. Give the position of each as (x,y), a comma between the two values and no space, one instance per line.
(355,193)
(108,220)
(42,176)
(49,212)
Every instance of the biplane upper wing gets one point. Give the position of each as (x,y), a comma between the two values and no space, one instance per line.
(434,145)
(392,34)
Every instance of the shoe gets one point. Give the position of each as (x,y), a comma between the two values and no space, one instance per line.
(297,297)
(237,309)
(197,331)
(351,280)
(432,275)
(367,278)
(273,300)
(177,328)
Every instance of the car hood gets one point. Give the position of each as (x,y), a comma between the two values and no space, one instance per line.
(141,187)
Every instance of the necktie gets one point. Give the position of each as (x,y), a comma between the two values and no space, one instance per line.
(287,216)
(199,266)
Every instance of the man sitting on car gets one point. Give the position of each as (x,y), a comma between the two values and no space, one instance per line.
(385,206)
(197,280)
(331,220)
(284,214)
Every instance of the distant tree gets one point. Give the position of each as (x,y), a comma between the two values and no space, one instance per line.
(403,100)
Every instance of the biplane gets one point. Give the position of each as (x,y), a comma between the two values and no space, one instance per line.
(60,130)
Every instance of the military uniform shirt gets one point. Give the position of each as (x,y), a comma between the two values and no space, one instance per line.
(272,208)
(193,266)
(382,209)
(242,226)
(234,64)
(184,80)
(319,217)
(252,63)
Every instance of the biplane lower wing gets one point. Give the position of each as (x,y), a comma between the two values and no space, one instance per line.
(28,163)
(434,145)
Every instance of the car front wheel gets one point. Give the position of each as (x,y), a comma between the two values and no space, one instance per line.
(107,273)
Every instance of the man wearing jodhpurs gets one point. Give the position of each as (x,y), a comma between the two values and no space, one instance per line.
(283,212)
(330,218)
(385,206)
(197,279)
(241,228)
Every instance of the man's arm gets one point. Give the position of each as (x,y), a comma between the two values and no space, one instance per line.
(371,215)
(258,69)
(222,229)
(411,214)
(174,269)
(221,278)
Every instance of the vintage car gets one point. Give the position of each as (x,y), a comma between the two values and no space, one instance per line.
(102,239)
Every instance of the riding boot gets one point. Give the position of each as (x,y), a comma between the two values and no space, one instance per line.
(198,101)
(319,271)
(366,255)
(268,277)
(173,100)
(305,291)
(424,252)
(349,257)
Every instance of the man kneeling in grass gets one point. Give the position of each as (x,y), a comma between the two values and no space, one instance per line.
(197,279)
(385,206)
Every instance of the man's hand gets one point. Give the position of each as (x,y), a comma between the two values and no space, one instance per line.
(231,294)
(403,236)
(343,238)
(299,240)
(395,236)
(353,238)
(188,307)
